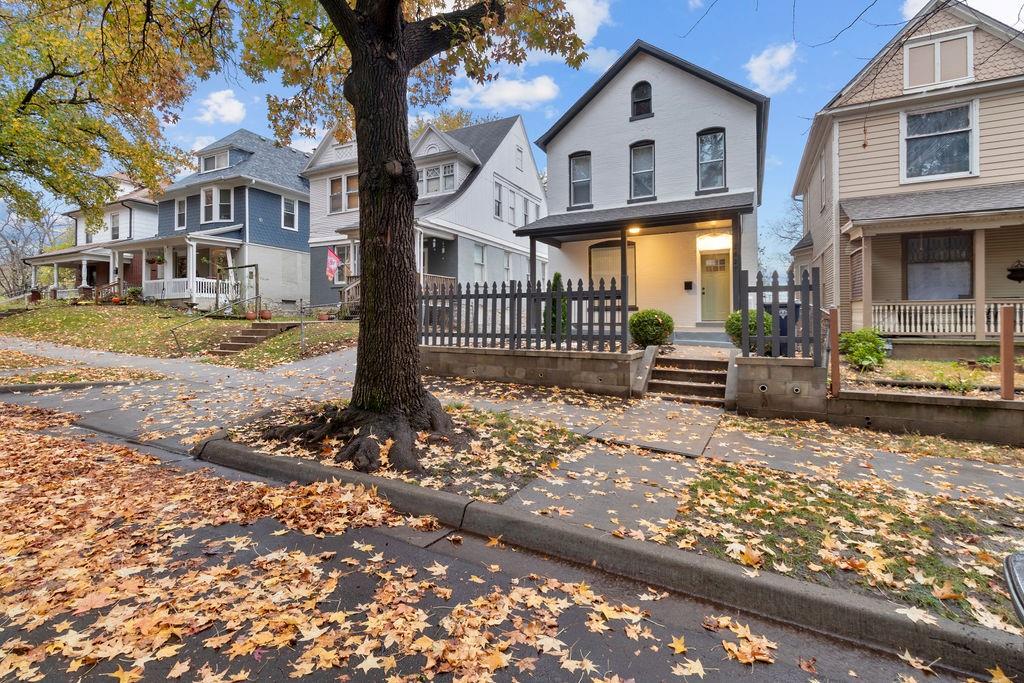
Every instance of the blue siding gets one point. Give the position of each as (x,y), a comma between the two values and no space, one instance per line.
(265,222)
(167,214)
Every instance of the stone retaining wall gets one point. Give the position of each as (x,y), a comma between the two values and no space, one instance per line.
(780,387)
(597,372)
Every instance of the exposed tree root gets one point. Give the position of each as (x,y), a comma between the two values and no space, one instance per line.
(371,440)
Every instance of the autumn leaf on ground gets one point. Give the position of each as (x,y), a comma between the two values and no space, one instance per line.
(689,667)
(916,614)
(678,645)
(917,663)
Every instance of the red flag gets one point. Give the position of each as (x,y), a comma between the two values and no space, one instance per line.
(333,263)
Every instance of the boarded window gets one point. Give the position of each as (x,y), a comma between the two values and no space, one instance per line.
(939,266)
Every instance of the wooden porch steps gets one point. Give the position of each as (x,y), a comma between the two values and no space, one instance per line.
(257,334)
(690,380)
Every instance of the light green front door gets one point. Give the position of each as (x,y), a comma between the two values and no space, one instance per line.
(715,279)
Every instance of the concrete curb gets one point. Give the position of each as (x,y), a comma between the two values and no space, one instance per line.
(27,388)
(835,613)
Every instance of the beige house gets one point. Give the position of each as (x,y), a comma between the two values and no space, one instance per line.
(912,181)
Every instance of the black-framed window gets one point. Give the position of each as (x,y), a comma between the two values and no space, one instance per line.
(711,159)
(641,169)
(606,264)
(642,100)
(580,179)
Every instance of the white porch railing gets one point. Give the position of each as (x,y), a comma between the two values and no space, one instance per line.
(178,288)
(940,318)
(66,294)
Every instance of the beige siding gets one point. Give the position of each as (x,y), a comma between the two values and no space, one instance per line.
(828,278)
(1003,246)
(992,60)
(845,283)
(887,268)
(869,150)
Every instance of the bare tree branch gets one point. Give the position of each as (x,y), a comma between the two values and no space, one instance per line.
(432,36)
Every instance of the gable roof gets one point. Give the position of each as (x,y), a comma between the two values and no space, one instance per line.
(267,162)
(760,101)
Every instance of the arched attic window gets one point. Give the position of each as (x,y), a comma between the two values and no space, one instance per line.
(642,101)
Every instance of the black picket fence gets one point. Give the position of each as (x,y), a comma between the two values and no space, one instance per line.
(794,311)
(517,315)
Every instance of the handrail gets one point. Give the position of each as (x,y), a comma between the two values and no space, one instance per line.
(174,330)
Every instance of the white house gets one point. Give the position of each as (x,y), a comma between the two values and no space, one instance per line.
(476,185)
(667,158)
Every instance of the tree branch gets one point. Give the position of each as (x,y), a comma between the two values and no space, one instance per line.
(345,21)
(431,36)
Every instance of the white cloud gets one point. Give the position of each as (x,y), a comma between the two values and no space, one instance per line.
(222,106)
(202,141)
(694,4)
(590,16)
(1004,10)
(599,59)
(506,93)
(771,71)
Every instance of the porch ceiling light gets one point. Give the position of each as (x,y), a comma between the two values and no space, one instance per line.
(634,230)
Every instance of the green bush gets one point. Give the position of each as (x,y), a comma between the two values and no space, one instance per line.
(651,327)
(133,295)
(864,349)
(549,321)
(734,328)
(988,362)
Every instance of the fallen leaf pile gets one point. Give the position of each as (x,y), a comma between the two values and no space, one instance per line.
(80,373)
(16,360)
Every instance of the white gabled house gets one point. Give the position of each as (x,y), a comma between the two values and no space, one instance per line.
(476,186)
(668,158)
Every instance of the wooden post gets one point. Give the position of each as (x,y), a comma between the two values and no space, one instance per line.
(1006,357)
(980,295)
(624,287)
(867,288)
(833,352)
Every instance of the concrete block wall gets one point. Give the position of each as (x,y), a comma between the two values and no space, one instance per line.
(780,387)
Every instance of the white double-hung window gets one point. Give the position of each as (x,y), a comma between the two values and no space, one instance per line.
(642,170)
(939,143)
(214,162)
(579,179)
(288,214)
(217,204)
(479,262)
(180,216)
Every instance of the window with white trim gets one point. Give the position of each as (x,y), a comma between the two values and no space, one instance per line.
(115,226)
(208,201)
(938,143)
(526,211)
(641,163)
(181,214)
(479,262)
(448,177)
(351,192)
(498,192)
(433,180)
(579,179)
(344,193)
(288,214)
(214,162)
(511,207)
(508,266)
(821,179)
(347,268)
(225,209)
(946,59)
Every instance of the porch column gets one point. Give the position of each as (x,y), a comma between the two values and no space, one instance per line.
(168,269)
(190,265)
(979,285)
(145,267)
(33,275)
(229,262)
(867,317)
(85,273)
(112,266)
(737,262)
(56,274)
(624,286)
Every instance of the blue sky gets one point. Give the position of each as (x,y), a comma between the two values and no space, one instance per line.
(758,43)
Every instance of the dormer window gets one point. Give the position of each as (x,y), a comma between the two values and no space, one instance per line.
(938,61)
(214,162)
(643,103)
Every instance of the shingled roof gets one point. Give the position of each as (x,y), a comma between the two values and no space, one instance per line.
(990,198)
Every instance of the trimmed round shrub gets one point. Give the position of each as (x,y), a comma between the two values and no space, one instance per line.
(651,327)
(734,327)
(863,349)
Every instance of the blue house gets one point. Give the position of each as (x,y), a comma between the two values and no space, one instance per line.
(247,205)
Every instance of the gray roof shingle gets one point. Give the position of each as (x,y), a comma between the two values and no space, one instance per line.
(1004,197)
(267,162)
(805,242)
(742,201)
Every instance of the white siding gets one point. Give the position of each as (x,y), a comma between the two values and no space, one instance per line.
(683,105)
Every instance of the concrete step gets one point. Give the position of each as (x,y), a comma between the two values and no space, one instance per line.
(696,376)
(276,327)
(698,400)
(687,389)
(249,338)
(706,364)
(222,352)
(234,346)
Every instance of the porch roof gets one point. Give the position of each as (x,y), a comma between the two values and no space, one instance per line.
(1006,197)
(213,238)
(98,251)
(575,226)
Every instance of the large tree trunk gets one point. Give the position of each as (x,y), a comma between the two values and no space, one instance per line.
(389,402)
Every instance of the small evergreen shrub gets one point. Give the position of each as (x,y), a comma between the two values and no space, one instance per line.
(133,295)
(864,349)
(550,321)
(734,328)
(651,327)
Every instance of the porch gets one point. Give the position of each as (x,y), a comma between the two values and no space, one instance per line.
(77,271)
(933,281)
(193,269)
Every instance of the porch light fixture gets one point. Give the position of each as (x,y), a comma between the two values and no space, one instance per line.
(635,230)
(1016,272)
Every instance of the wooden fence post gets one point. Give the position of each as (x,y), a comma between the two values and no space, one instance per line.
(833,352)
(1006,355)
